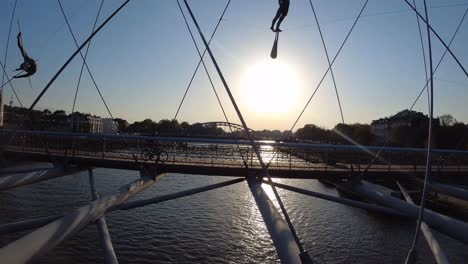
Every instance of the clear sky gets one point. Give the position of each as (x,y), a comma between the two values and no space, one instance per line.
(144,58)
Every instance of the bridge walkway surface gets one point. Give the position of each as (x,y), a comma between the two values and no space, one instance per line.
(230,157)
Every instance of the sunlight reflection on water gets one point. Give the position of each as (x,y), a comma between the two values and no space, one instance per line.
(219,226)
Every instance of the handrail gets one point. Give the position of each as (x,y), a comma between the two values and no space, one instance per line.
(231,142)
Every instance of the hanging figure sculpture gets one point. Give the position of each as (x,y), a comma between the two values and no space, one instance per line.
(280,15)
(29,65)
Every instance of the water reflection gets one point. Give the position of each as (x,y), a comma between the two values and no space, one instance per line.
(219,226)
(267,153)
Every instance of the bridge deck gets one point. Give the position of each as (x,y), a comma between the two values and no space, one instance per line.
(295,168)
(227,157)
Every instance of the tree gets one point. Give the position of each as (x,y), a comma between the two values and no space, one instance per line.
(185,126)
(447,120)
(168,127)
(146,126)
(347,133)
(312,132)
(122,124)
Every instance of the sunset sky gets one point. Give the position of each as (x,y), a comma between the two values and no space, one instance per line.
(144,58)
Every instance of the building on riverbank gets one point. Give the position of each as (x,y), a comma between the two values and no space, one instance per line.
(86,123)
(403,119)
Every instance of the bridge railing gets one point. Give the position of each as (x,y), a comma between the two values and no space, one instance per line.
(222,152)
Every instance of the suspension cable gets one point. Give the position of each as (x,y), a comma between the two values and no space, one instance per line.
(322,79)
(331,64)
(244,124)
(441,58)
(4,73)
(90,74)
(44,90)
(84,60)
(45,42)
(427,173)
(72,126)
(419,95)
(209,76)
(440,39)
(423,51)
(377,14)
(328,60)
(200,61)
(85,56)
(8,43)
(9,82)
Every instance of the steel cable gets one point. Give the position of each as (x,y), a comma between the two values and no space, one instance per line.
(328,60)
(387,141)
(61,69)
(244,124)
(200,61)
(208,74)
(323,78)
(427,173)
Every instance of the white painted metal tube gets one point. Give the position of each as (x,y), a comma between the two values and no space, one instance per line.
(172,196)
(16,171)
(27,224)
(104,236)
(42,240)
(434,245)
(444,224)
(284,242)
(449,190)
(36,223)
(357,204)
(106,242)
(10,181)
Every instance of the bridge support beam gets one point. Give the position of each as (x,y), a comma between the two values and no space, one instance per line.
(448,190)
(444,224)
(14,180)
(16,171)
(44,239)
(163,198)
(104,236)
(434,245)
(357,204)
(27,224)
(36,223)
(284,242)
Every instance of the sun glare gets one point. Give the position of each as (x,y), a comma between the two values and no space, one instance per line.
(270,87)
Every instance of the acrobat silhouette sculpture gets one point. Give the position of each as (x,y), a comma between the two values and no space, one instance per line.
(280,15)
(29,65)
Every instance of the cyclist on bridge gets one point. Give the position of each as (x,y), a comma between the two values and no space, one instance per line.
(29,65)
(280,15)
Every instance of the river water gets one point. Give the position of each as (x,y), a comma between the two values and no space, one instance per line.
(219,226)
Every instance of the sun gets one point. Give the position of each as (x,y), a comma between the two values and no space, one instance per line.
(270,87)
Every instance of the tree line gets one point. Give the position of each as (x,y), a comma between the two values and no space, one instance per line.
(447,132)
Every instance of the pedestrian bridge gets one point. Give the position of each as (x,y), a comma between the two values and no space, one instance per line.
(227,157)
(156,156)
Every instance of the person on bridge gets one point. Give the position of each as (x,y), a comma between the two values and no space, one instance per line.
(29,65)
(280,15)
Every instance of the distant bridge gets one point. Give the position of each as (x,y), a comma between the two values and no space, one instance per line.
(232,127)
